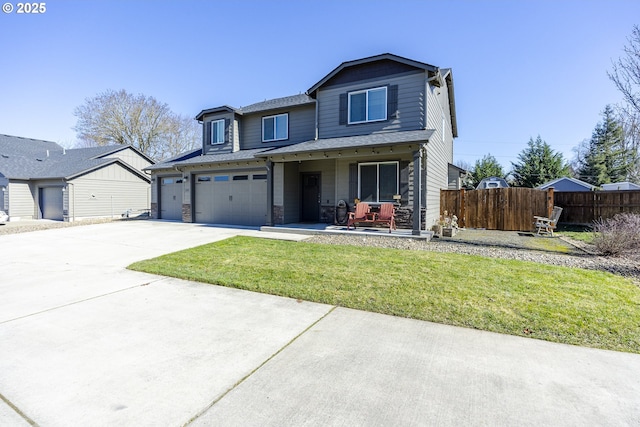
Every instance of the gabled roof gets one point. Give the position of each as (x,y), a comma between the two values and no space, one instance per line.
(371,59)
(575,181)
(25,158)
(266,105)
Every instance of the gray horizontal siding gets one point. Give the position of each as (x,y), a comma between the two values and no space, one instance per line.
(302,122)
(131,158)
(227,147)
(439,151)
(411,89)
(107,191)
(21,200)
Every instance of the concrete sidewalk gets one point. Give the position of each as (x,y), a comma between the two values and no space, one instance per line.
(85,342)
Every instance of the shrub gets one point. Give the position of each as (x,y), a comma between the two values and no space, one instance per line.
(617,235)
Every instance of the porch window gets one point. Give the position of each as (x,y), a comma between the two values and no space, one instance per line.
(275,128)
(378,182)
(368,105)
(217,132)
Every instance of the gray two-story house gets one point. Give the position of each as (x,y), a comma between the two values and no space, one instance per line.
(377,129)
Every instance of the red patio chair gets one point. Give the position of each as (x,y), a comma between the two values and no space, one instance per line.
(387,215)
(360,215)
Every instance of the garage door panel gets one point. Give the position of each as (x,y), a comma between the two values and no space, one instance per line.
(234,198)
(51,200)
(171,198)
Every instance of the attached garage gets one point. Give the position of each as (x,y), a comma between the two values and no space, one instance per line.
(51,203)
(238,198)
(170,203)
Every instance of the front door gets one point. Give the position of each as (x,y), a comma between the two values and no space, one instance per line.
(310,197)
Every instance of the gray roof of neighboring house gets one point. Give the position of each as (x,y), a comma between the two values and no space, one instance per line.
(25,158)
(242,155)
(366,141)
(267,105)
(571,181)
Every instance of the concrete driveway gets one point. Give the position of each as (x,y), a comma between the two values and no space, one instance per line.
(85,342)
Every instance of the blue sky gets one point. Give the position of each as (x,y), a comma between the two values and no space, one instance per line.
(521,68)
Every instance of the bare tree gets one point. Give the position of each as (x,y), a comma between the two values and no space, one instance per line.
(185,135)
(626,77)
(122,118)
(626,71)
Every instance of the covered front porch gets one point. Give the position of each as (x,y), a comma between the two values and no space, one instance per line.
(307,182)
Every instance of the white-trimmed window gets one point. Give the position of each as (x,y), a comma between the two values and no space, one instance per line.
(275,128)
(217,132)
(378,182)
(368,105)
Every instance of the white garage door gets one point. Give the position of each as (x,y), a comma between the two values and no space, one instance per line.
(233,198)
(51,203)
(171,197)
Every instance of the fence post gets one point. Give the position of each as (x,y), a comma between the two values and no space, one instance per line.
(462,206)
(550,202)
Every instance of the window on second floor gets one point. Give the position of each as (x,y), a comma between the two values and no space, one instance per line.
(275,128)
(368,105)
(378,182)
(217,132)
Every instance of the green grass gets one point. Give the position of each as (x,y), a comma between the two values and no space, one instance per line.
(566,305)
(577,232)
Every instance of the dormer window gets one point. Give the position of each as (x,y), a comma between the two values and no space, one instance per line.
(368,105)
(217,132)
(275,128)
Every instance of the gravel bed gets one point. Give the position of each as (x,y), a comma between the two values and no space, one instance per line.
(623,266)
(38,225)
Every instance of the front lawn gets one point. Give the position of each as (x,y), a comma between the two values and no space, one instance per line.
(560,304)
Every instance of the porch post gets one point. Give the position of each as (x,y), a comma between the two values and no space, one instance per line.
(417,191)
(269,166)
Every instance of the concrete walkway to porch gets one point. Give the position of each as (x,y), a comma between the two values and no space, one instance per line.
(318,228)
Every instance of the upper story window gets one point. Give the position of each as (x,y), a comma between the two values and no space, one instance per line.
(368,105)
(275,128)
(217,132)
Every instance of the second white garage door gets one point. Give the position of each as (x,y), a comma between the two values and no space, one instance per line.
(234,198)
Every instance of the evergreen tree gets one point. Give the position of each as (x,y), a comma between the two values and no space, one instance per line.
(607,158)
(485,168)
(538,164)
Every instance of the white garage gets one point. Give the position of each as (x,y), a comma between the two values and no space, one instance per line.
(170,203)
(238,198)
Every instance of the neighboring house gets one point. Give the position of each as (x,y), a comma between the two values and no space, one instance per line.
(567,184)
(492,182)
(41,180)
(455,176)
(615,186)
(378,129)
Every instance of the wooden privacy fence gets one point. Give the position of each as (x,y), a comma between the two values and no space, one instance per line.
(509,209)
(586,207)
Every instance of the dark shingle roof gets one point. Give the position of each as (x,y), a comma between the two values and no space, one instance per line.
(241,155)
(267,105)
(273,104)
(373,140)
(25,158)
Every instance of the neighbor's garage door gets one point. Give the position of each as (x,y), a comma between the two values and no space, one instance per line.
(171,197)
(51,203)
(236,198)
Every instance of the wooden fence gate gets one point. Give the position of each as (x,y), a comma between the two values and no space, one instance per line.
(509,209)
